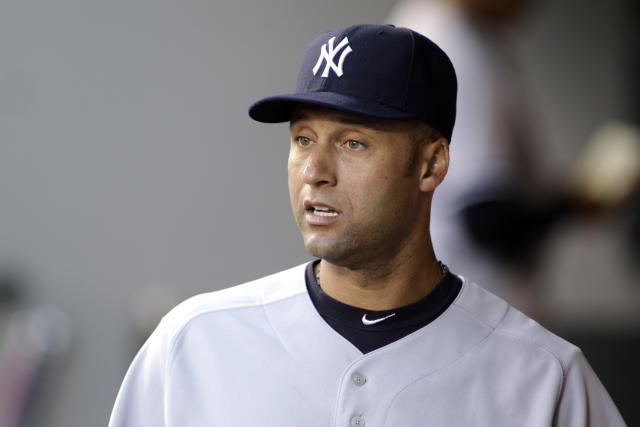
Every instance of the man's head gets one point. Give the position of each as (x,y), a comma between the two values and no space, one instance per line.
(370,123)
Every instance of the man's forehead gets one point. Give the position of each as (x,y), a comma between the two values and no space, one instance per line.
(307,112)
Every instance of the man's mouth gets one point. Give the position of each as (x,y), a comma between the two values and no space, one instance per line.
(318,213)
(322,211)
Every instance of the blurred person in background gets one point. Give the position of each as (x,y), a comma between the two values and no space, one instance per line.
(495,206)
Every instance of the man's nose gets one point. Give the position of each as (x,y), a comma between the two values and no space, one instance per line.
(319,168)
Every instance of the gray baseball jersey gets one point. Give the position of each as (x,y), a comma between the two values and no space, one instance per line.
(259,354)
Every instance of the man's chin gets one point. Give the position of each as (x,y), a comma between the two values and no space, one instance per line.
(321,247)
(317,251)
(331,253)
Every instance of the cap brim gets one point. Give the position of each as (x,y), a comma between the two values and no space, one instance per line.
(276,109)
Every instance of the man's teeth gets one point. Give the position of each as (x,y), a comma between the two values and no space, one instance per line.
(323,211)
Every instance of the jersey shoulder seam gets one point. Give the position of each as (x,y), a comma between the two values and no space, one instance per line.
(457,304)
(496,329)
(258,285)
(554,358)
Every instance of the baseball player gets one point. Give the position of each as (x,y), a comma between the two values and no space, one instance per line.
(375,331)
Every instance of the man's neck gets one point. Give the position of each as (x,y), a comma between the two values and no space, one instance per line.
(385,287)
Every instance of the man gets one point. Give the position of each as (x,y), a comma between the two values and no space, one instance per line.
(376,332)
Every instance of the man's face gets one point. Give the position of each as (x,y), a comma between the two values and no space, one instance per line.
(353,193)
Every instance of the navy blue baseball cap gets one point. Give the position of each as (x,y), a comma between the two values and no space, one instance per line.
(378,71)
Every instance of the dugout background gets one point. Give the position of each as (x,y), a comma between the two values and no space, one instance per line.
(128,162)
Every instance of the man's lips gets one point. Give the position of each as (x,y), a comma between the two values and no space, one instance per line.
(318,213)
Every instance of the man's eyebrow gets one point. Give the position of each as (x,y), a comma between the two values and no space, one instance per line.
(347,120)
(360,121)
(296,117)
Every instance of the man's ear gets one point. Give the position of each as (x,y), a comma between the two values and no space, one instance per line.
(434,165)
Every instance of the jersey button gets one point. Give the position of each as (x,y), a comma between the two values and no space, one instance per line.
(357,421)
(358,379)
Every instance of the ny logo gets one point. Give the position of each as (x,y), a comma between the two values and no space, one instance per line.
(330,54)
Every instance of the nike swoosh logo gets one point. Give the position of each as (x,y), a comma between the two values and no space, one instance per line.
(368,322)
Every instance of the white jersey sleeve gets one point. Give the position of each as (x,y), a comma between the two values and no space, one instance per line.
(141,398)
(583,400)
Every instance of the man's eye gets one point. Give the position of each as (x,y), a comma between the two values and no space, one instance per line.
(352,144)
(303,141)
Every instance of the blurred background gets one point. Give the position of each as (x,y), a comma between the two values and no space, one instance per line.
(131,178)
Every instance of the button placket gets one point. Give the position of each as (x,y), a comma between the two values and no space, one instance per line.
(358,379)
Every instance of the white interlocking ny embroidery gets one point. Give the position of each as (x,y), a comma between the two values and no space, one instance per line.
(328,55)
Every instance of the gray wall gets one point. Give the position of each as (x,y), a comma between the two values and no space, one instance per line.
(127,159)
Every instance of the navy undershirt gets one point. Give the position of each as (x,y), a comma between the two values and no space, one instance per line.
(347,320)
